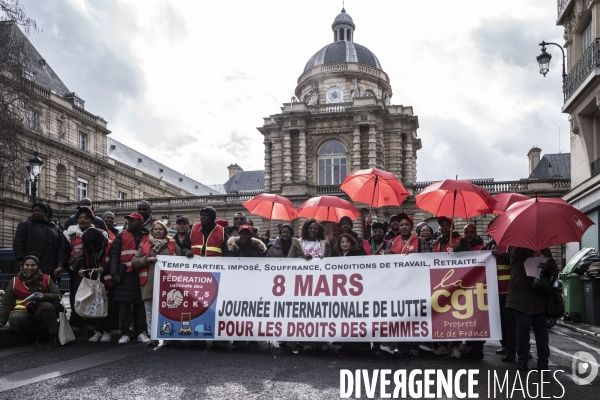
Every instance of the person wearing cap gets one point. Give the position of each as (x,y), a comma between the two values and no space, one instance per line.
(109,219)
(345,227)
(145,210)
(406,241)
(394,228)
(38,236)
(245,245)
(127,279)
(182,239)
(73,256)
(282,244)
(31,317)
(208,239)
(444,243)
(72,220)
(376,245)
(471,348)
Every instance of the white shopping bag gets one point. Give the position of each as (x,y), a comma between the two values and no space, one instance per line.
(91,300)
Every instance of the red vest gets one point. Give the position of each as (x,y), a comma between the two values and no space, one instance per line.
(367,247)
(478,247)
(22,292)
(146,252)
(411,246)
(503,273)
(448,247)
(128,249)
(213,244)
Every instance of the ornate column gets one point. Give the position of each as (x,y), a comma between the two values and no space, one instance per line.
(302,154)
(356,149)
(267,165)
(409,176)
(287,157)
(372,147)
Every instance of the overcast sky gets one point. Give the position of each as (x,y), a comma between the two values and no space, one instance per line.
(188,82)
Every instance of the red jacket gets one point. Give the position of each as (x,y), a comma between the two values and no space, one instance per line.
(146,252)
(214,243)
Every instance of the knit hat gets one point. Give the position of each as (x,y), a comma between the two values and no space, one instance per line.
(289,226)
(42,206)
(31,257)
(377,225)
(211,212)
(108,213)
(345,219)
(402,216)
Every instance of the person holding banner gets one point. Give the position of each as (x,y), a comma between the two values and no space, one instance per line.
(377,244)
(208,239)
(406,242)
(159,243)
(345,227)
(446,240)
(312,244)
(282,245)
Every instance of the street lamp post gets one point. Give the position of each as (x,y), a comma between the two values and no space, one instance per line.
(165,219)
(34,168)
(544,61)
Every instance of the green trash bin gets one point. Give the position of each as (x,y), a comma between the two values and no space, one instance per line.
(573,297)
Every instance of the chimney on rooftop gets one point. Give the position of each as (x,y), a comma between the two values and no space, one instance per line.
(534,158)
(233,169)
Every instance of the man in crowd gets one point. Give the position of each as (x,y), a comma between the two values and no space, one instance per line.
(127,280)
(394,230)
(72,220)
(207,238)
(406,241)
(182,239)
(239,219)
(145,210)
(444,243)
(377,244)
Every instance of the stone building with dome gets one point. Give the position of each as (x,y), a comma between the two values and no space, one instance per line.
(341,119)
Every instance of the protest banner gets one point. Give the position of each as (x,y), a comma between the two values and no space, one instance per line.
(415,297)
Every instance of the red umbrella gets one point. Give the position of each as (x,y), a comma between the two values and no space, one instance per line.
(539,223)
(271,206)
(375,187)
(457,198)
(505,200)
(327,208)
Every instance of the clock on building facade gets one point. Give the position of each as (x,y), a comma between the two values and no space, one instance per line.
(335,95)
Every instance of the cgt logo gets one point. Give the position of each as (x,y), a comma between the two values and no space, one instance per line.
(459,292)
(578,222)
(459,303)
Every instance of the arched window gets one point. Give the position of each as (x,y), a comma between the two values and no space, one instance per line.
(332,163)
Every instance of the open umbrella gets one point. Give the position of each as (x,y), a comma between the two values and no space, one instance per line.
(271,206)
(327,208)
(455,197)
(539,223)
(505,200)
(375,187)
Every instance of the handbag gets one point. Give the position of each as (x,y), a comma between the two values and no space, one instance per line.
(555,306)
(91,300)
(65,333)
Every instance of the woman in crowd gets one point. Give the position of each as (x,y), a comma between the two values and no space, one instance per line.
(281,246)
(109,219)
(159,243)
(40,237)
(311,244)
(31,317)
(426,233)
(528,297)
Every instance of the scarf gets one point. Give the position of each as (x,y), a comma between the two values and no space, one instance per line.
(286,246)
(33,282)
(158,244)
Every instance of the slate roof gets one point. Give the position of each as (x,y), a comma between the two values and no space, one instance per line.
(343,51)
(130,157)
(43,74)
(246,182)
(553,166)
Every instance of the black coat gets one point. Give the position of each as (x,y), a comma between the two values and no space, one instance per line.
(256,248)
(89,261)
(357,252)
(38,238)
(128,291)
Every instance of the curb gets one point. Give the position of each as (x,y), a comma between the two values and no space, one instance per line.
(573,328)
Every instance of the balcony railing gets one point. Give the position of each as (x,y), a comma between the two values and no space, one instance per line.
(596,167)
(582,69)
(329,108)
(329,189)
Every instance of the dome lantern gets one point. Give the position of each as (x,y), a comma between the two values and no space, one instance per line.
(343,27)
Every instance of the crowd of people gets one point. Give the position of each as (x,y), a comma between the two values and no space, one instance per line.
(88,245)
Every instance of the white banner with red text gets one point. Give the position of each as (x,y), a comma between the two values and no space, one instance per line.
(415,297)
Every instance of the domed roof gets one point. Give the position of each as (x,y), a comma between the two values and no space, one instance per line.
(343,51)
(343,17)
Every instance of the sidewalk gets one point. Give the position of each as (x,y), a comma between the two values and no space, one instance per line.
(581,327)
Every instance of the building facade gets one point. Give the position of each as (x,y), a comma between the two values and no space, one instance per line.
(581,22)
